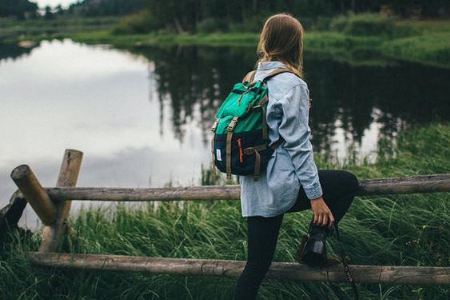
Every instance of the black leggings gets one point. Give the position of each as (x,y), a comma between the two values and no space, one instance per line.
(338,188)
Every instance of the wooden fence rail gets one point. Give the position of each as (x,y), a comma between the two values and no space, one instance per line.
(232,268)
(382,186)
(52,206)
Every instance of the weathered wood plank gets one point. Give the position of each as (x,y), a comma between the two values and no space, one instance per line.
(224,192)
(35,194)
(382,186)
(53,235)
(208,267)
(406,185)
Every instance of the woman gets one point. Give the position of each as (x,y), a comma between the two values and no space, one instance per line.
(292,182)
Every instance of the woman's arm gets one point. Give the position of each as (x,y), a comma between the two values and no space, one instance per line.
(295,131)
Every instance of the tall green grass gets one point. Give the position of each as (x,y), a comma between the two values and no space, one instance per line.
(388,230)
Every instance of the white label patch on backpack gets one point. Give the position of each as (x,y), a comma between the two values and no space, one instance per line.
(218,155)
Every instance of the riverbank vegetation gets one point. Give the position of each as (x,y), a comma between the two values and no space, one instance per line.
(418,32)
(363,36)
(40,29)
(389,230)
(19,9)
(368,35)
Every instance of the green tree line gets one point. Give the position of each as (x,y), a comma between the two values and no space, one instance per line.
(187,15)
(106,7)
(17,8)
(201,15)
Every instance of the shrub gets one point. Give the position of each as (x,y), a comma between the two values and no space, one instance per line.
(210,25)
(307,23)
(141,22)
(339,23)
(363,24)
(253,24)
(370,24)
(322,23)
(405,30)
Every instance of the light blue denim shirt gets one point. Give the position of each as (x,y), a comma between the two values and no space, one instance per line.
(292,164)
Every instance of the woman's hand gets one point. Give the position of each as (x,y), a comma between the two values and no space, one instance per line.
(321,212)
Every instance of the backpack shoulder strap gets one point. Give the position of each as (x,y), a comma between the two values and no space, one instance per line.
(249,77)
(276,72)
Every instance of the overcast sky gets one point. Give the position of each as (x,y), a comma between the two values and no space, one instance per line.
(53,3)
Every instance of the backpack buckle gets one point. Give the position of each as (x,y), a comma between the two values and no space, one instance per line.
(249,151)
(232,124)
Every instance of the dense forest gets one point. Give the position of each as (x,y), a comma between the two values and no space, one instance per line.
(188,15)
(193,15)
(18,8)
(106,7)
(242,9)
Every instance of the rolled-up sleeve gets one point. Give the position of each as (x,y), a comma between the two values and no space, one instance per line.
(295,131)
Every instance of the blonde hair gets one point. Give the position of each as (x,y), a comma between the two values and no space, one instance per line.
(282,39)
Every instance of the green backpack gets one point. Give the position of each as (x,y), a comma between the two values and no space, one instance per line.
(239,144)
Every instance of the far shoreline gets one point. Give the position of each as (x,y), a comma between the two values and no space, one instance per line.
(425,42)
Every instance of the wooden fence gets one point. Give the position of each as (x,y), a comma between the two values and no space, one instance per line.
(52,205)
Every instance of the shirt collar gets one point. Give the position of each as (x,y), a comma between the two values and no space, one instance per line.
(269,65)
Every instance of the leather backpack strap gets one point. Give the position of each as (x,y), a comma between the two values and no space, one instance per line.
(278,71)
(249,77)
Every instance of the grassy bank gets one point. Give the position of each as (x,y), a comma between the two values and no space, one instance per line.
(360,37)
(428,42)
(359,49)
(12,30)
(391,230)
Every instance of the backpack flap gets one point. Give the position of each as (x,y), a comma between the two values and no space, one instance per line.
(239,102)
(241,97)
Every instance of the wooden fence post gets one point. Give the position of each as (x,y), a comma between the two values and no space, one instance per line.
(53,235)
(35,194)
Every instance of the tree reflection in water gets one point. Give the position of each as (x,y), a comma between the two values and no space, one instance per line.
(13,51)
(347,97)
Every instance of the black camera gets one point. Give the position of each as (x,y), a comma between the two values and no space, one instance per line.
(312,250)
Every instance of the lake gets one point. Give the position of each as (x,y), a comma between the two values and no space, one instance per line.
(142,117)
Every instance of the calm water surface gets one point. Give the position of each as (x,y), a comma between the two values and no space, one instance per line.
(142,118)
